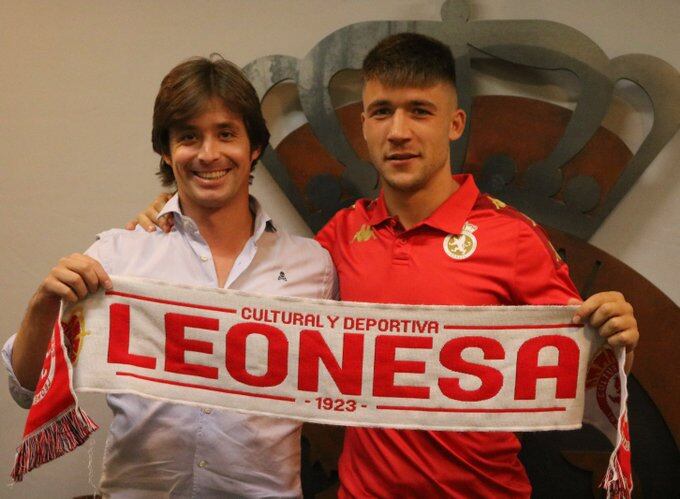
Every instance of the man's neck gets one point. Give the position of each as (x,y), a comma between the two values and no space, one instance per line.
(412,207)
(226,231)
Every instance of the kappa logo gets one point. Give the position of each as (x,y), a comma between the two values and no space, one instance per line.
(364,234)
(463,245)
(282,276)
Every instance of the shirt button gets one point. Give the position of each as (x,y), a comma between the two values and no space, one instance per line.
(202,463)
(204,258)
(207,410)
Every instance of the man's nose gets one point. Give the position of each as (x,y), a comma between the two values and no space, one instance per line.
(399,127)
(209,150)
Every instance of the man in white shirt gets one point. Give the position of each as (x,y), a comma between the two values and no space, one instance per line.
(209,131)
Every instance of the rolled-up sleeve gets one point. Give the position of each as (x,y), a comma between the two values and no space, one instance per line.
(22,396)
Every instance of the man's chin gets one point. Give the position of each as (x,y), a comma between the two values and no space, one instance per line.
(402,183)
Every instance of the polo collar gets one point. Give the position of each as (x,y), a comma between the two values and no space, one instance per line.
(450,216)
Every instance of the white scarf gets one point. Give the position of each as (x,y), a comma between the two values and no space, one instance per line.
(353,364)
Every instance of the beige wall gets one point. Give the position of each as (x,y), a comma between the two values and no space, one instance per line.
(76,92)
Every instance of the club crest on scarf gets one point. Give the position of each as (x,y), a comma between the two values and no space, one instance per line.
(74,334)
(603,376)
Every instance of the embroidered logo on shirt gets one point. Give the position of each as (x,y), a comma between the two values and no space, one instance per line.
(363,234)
(282,276)
(463,245)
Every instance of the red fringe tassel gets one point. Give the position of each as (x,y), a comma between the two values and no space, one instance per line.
(614,482)
(59,437)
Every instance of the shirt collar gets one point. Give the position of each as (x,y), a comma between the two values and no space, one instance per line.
(261,220)
(450,216)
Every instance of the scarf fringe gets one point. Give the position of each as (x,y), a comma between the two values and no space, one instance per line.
(614,481)
(69,431)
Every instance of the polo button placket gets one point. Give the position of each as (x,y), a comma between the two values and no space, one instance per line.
(401,249)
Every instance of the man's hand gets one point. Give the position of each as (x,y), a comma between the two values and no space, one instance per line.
(613,317)
(148,217)
(72,279)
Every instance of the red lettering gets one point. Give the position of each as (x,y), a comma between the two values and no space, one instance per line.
(565,372)
(313,349)
(277,354)
(386,366)
(119,339)
(176,344)
(451,358)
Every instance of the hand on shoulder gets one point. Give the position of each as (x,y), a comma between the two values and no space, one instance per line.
(148,218)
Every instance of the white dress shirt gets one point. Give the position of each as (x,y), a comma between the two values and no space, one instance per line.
(158,449)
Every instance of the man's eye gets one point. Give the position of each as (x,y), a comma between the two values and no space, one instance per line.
(419,111)
(382,111)
(186,137)
(226,134)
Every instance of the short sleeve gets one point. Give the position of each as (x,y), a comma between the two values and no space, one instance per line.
(327,235)
(541,277)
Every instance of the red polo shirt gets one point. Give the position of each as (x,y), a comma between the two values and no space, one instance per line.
(473,250)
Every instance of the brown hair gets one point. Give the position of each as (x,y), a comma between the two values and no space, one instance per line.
(410,60)
(188,87)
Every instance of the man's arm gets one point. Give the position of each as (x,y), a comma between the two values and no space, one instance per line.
(72,279)
(542,278)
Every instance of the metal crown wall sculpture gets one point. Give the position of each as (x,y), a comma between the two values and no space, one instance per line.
(546,188)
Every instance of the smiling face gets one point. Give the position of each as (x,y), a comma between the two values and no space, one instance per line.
(211,156)
(408,131)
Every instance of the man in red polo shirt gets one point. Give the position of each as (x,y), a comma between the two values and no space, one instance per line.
(431,238)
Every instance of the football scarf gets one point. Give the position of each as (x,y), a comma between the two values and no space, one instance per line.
(353,364)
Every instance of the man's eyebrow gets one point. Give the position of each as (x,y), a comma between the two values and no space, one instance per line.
(411,103)
(182,126)
(226,124)
(378,103)
(422,103)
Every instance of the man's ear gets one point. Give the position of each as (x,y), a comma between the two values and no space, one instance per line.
(457,126)
(363,124)
(255,154)
(167,159)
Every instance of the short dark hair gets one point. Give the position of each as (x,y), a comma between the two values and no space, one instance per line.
(410,60)
(187,88)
